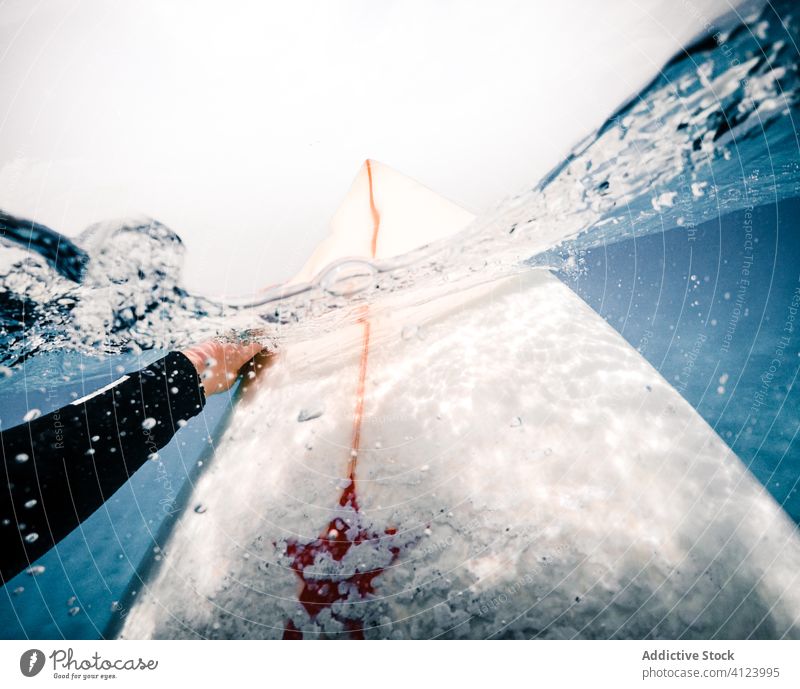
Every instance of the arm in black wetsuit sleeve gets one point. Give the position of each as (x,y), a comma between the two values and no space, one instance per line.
(61,467)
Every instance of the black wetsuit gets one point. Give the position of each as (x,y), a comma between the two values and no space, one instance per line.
(61,467)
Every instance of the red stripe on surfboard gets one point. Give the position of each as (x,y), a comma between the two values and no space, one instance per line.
(376,216)
(349,494)
(315,593)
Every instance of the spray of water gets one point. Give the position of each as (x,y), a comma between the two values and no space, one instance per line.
(674,156)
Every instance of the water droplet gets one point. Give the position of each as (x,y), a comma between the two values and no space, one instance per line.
(32,537)
(74,611)
(22,457)
(30,503)
(71,600)
(309,414)
(153,456)
(378,444)
(18,590)
(149,423)
(95,438)
(182,423)
(115,606)
(31,415)
(424,467)
(35,571)
(174,390)
(516,421)
(5,372)
(200,509)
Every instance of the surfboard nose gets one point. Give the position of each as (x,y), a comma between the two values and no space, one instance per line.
(384,214)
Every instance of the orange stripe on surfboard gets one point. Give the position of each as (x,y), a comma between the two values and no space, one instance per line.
(376,216)
(358,415)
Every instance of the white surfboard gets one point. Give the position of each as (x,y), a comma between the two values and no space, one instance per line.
(499,463)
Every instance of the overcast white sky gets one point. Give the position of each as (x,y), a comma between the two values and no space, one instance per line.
(241,124)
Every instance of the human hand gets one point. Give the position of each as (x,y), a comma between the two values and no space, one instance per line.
(218,362)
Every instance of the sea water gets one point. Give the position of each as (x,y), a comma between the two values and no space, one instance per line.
(676,221)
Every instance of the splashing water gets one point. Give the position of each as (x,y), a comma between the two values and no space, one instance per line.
(713,133)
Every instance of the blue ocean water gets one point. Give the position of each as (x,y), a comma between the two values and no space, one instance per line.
(717,313)
(676,222)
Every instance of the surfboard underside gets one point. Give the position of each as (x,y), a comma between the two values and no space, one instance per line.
(520,472)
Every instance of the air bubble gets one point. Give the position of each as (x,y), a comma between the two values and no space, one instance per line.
(348,277)
(309,414)
(31,415)
(409,331)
